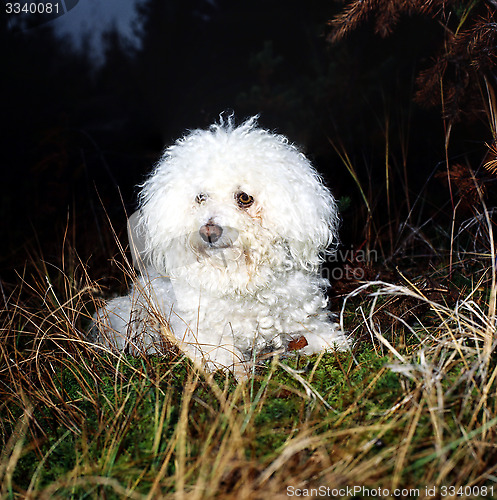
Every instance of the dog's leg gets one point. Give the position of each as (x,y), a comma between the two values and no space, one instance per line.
(322,335)
(227,356)
(111,324)
(224,356)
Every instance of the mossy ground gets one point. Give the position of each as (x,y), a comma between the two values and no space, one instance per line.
(411,405)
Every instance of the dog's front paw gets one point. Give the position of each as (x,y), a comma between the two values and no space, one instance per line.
(329,337)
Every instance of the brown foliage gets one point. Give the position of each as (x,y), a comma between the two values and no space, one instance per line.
(386,14)
(491,164)
(470,189)
(467,51)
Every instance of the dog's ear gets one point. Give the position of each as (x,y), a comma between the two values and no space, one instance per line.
(309,218)
(137,244)
(318,227)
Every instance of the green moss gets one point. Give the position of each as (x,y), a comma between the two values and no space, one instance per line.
(123,421)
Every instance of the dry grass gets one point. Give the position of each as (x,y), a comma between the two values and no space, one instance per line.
(413,406)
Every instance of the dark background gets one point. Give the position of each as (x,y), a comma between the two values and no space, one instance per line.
(77,137)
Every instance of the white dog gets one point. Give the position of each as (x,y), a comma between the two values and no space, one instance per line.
(232,227)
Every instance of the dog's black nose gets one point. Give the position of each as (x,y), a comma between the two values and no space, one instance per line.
(210,232)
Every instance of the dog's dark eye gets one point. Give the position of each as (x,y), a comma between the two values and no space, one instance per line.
(244,200)
(200,198)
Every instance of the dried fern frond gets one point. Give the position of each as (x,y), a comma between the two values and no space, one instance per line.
(351,18)
(470,188)
(386,14)
(491,165)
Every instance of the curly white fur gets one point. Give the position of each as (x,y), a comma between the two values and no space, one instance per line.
(232,227)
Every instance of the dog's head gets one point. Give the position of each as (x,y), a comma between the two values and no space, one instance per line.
(234,197)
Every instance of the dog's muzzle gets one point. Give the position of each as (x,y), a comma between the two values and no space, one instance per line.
(210,232)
